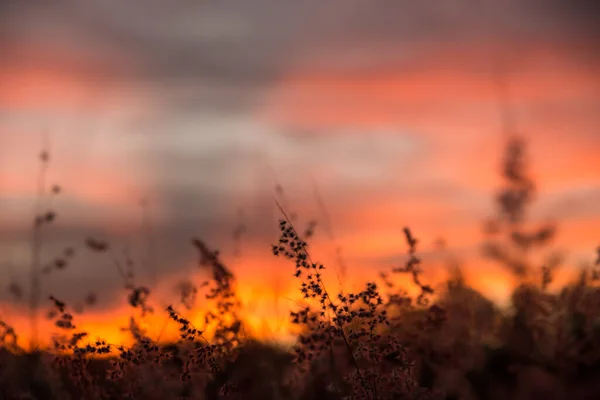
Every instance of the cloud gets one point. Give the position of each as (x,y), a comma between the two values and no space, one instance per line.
(204,106)
(245,40)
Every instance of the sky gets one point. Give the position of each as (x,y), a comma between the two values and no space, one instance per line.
(387,112)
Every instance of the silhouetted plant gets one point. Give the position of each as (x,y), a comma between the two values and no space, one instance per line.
(354,322)
(375,343)
(512,201)
(44,216)
(221,291)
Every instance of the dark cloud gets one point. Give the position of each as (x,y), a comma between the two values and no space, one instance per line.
(224,55)
(252,41)
(580,15)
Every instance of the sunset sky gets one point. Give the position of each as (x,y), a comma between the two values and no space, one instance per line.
(389,110)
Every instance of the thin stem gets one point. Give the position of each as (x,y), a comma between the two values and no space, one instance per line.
(171,309)
(36,246)
(150,245)
(329,230)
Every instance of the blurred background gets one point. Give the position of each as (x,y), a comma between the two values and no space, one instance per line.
(166,120)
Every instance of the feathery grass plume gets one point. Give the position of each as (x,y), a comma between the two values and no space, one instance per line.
(510,242)
(224,314)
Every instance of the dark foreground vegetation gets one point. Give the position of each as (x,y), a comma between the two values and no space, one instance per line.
(377,343)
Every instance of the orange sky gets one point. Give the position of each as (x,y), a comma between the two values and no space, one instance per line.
(416,145)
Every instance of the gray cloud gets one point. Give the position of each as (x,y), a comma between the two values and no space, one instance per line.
(252,41)
(209,63)
(224,55)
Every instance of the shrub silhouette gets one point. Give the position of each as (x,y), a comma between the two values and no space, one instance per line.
(375,343)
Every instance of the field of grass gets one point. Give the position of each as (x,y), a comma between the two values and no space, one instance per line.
(376,343)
